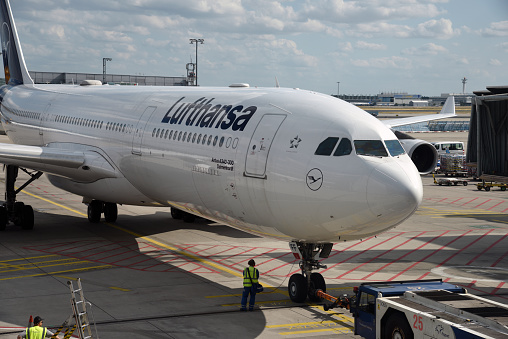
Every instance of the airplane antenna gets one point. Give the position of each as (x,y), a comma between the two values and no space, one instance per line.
(276,82)
(464,85)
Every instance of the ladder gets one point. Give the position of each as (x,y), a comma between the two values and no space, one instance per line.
(79,309)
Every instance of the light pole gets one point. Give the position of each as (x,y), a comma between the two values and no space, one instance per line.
(197,41)
(104,69)
(338,89)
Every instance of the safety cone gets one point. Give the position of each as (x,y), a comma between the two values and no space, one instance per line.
(31,322)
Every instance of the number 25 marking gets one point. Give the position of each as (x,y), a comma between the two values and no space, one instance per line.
(418,324)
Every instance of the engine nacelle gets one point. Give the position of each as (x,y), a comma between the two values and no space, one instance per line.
(423,153)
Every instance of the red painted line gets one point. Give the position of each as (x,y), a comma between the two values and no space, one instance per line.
(380,255)
(99,253)
(506,209)
(486,201)
(488,209)
(204,249)
(487,249)
(472,283)
(481,291)
(447,280)
(453,202)
(494,292)
(345,249)
(285,264)
(499,260)
(442,200)
(453,255)
(428,256)
(469,201)
(258,263)
(406,254)
(136,254)
(365,250)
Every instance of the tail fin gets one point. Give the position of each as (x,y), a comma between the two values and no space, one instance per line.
(14,63)
(449,106)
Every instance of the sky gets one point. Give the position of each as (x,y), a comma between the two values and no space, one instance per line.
(370,46)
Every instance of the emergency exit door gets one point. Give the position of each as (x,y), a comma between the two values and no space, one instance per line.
(260,144)
(140,130)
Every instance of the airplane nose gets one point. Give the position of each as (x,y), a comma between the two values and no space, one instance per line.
(394,192)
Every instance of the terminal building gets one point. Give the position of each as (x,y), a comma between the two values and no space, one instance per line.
(405,99)
(112,79)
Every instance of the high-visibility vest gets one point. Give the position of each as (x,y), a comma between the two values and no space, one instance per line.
(36,332)
(254,275)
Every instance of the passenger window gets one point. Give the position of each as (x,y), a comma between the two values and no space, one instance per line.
(394,147)
(326,147)
(344,148)
(199,139)
(189,137)
(153,133)
(204,139)
(170,135)
(215,140)
(374,148)
(221,142)
(179,135)
(209,140)
(166,135)
(194,137)
(184,136)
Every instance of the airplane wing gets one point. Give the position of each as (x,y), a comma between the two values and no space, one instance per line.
(447,111)
(83,165)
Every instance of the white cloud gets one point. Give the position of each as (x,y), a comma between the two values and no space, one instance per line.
(438,29)
(370,46)
(495,62)
(496,29)
(427,49)
(386,62)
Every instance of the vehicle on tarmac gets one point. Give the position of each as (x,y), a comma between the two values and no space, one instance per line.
(430,309)
(281,163)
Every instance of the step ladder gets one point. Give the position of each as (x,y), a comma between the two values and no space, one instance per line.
(80,312)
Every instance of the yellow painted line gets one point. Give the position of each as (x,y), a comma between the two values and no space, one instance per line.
(336,329)
(54,203)
(313,323)
(33,267)
(284,301)
(59,272)
(30,258)
(119,289)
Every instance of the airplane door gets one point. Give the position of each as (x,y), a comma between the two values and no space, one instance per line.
(259,147)
(140,129)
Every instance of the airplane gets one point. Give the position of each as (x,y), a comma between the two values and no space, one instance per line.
(282,163)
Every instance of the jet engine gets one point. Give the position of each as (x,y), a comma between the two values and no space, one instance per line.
(423,153)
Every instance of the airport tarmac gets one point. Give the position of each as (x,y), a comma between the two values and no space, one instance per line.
(149,276)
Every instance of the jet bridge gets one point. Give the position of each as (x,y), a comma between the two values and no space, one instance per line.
(488,134)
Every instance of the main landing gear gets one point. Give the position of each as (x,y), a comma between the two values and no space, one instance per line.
(12,210)
(97,207)
(305,284)
(185,216)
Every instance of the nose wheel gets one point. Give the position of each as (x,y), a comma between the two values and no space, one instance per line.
(305,284)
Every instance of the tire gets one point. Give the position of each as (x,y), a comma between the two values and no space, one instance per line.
(3,218)
(449,183)
(455,183)
(18,212)
(110,211)
(464,183)
(479,187)
(94,211)
(397,327)
(503,188)
(188,218)
(487,188)
(440,184)
(27,218)
(176,213)
(297,288)
(317,282)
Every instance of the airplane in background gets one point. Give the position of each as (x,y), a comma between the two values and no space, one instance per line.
(288,164)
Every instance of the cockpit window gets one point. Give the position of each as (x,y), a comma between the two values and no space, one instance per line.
(394,147)
(373,148)
(344,148)
(326,147)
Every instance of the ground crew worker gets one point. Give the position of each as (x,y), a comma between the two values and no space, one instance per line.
(36,331)
(250,281)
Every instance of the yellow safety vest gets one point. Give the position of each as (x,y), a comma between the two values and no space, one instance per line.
(36,332)
(254,274)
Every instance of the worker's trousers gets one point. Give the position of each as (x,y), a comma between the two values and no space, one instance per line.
(246,291)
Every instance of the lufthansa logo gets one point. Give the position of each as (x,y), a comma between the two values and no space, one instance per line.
(314,179)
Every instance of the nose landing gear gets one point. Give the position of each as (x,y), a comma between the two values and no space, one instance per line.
(305,284)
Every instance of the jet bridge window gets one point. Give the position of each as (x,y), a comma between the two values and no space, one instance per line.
(394,147)
(374,148)
(326,147)
(344,148)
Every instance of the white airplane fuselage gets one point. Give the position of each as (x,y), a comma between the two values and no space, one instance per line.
(243,157)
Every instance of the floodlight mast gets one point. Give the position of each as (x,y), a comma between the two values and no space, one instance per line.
(104,69)
(196,41)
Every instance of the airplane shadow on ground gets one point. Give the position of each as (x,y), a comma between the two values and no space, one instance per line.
(158,284)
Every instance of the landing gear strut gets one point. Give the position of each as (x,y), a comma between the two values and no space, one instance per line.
(305,284)
(12,210)
(97,207)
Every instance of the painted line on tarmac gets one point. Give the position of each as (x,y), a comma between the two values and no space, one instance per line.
(59,272)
